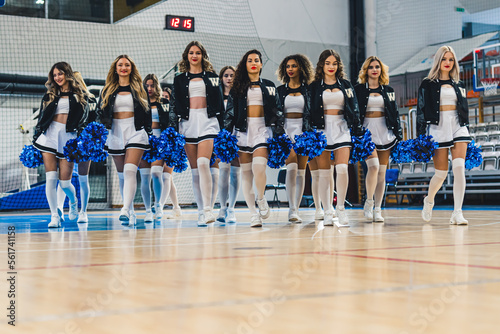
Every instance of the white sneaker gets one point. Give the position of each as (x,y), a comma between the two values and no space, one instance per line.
(124,215)
(230,216)
(82,217)
(222,215)
(133,218)
(158,212)
(209,216)
(328,221)
(457,218)
(149,217)
(201,219)
(55,221)
(377,215)
(368,209)
(263,208)
(293,217)
(427,210)
(319,215)
(255,220)
(176,213)
(60,212)
(73,211)
(343,221)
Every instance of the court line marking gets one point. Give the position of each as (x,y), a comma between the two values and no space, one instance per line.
(340,253)
(249,301)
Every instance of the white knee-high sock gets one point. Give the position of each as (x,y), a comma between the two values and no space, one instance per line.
(146,187)
(84,191)
(332,184)
(458,182)
(224,169)
(342,183)
(324,188)
(215,184)
(436,183)
(259,174)
(372,166)
(205,181)
(121,181)
(315,189)
(173,193)
(234,185)
(247,185)
(301,182)
(129,185)
(157,177)
(50,191)
(380,189)
(61,196)
(68,189)
(196,188)
(291,185)
(166,184)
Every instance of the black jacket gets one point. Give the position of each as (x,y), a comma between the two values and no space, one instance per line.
(283,92)
(92,109)
(236,111)
(142,116)
(391,113)
(351,109)
(180,96)
(77,116)
(429,94)
(167,117)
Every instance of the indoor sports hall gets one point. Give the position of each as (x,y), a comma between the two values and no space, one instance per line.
(269,254)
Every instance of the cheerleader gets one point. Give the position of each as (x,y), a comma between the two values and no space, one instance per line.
(83,166)
(63,113)
(230,178)
(197,101)
(379,114)
(334,110)
(296,73)
(123,109)
(443,113)
(252,109)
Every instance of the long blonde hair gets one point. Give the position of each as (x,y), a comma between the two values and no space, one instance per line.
(53,88)
(436,65)
(383,79)
(79,78)
(156,85)
(112,83)
(206,65)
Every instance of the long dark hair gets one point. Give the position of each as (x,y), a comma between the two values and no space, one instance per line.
(305,69)
(241,80)
(205,63)
(340,74)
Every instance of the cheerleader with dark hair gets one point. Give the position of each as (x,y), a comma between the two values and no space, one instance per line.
(334,110)
(296,72)
(230,177)
(197,101)
(63,113)
(379,114)
(123,109)
(254,111)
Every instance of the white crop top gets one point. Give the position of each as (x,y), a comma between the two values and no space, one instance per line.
(294,104)
(124,103)
(254,97)
(197,88)
(448,96)
(155,118)
(62,106)
(375,103)
(333,100)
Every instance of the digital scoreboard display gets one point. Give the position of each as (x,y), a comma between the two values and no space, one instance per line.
(182,23)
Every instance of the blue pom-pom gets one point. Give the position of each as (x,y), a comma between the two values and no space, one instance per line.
(225,146)
(310,143)
(422,148)
(332,156)
(181,164)
(362,146)
(213,159)
(278,150)
(30,157)
(73,152)
(171,147)
(401,152)
(473,158)
(92,140)
(153,153)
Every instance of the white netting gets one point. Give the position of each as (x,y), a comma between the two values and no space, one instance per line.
(490,86)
